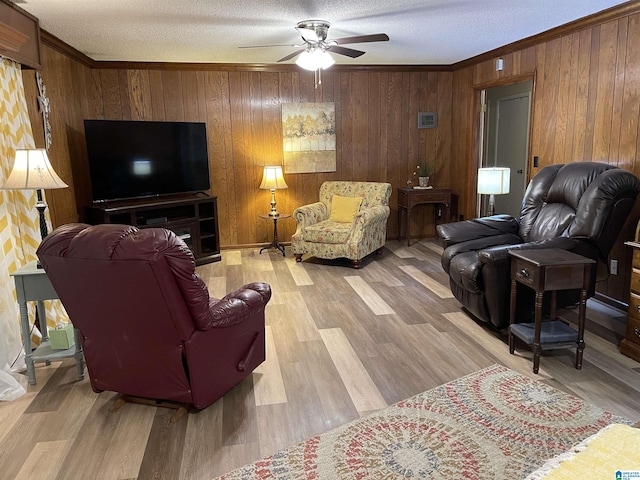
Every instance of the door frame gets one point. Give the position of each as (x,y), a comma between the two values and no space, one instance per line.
(479,123)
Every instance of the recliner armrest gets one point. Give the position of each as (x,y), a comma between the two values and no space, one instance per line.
(457,232)
(500,253)
(237,306)
(477,245)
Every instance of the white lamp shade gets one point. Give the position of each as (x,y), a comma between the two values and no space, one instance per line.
(32,170)
(494,180)
(314,60)
(272,179)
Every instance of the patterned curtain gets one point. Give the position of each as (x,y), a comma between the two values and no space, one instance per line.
(19,230)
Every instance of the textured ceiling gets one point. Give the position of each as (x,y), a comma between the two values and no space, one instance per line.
(421,32)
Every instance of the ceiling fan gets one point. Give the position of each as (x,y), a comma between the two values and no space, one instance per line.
(314,36)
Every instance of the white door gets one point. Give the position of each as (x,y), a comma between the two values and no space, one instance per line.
(508,139)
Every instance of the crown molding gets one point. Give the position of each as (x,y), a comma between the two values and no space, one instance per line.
(613,13)
(54,42)
(260,67)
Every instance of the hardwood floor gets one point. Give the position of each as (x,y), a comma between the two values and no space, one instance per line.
(340,343)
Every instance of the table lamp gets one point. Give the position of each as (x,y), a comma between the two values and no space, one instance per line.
(493,181)
(272,179)
(33,171)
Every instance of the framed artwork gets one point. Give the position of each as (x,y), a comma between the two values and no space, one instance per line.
(309,137)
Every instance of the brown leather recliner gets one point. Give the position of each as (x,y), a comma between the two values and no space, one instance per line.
(580,207)
(148,326)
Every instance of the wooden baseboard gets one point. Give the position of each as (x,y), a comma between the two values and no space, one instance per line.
(613,302)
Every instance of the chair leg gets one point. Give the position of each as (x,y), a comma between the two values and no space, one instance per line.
(356,263)
(512,346)
(298,257)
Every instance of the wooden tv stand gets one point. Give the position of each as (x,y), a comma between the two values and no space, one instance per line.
(194,219)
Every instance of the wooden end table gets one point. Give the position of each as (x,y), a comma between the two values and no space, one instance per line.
(410,197)
(275,244)
(544,270)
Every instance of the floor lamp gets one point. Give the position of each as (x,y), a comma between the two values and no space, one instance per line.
(493,181)
(272,179)
(33,171)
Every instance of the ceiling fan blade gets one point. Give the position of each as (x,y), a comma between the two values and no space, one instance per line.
(349,52)
(268,46)
(291,55)
(376,37)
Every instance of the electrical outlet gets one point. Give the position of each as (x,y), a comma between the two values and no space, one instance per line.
(613,268)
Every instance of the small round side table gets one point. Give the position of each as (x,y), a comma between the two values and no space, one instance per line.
(275,244)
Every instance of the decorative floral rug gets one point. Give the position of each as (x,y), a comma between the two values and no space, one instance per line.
(491,424)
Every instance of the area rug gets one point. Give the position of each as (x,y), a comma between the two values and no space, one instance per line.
(491,424)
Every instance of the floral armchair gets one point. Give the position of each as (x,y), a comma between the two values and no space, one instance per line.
(317,233)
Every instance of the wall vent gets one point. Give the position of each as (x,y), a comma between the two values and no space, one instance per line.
(427,120)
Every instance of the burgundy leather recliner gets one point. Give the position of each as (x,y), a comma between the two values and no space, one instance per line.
(580,207)
(148,326)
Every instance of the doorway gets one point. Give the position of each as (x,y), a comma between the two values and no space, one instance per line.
(506,140)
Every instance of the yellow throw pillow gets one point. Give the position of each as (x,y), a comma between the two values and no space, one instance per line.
(343,209)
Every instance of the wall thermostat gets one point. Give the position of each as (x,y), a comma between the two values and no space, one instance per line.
(427,120)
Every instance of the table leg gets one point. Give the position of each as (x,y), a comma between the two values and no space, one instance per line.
(581,318)
(42,315)
(408,219)
(582,311)
(403,212)
(446,213)
(512,316)
(536,336)
(276,243)
(26,343)
(44,328)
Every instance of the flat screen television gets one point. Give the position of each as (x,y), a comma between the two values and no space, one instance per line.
(132,159)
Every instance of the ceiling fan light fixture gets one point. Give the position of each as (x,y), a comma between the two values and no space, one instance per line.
(314,31)
(314,60)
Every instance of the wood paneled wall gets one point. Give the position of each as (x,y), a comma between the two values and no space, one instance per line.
(586,99)
(376,117)
(66,87)
(586,106)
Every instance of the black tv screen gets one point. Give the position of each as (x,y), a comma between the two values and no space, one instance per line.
(129,159)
